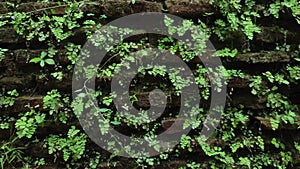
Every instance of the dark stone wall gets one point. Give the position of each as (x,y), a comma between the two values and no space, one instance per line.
(17,73)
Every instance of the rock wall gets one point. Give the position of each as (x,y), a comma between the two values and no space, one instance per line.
(266,52)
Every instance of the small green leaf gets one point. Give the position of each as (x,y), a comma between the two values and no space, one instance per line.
(53,11)
(42,63)
(115,123)
(274,123)
(81,95)
(102,110)
(50,61)
(43,54)
(35,60)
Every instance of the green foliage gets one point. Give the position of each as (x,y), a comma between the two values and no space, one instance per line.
(238,17)
(72,146)
(57,75)
(9,153)
(185,142)
(297,146)
(45,58)
(178,81)
(294,72)
(27,124)
(293,5)
(55,103)
(234,144)
(2,53)
(226,52)
(8,99)
(72,52)
(52,101)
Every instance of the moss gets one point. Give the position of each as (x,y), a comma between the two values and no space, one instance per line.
(264,57)
(187,8)
(121,8)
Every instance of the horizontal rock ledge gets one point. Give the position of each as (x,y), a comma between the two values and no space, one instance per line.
(266,122)
(172,101)
(23,56)
(111,8)
(268,36)
(264,57)
(189,9)
(48,81)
